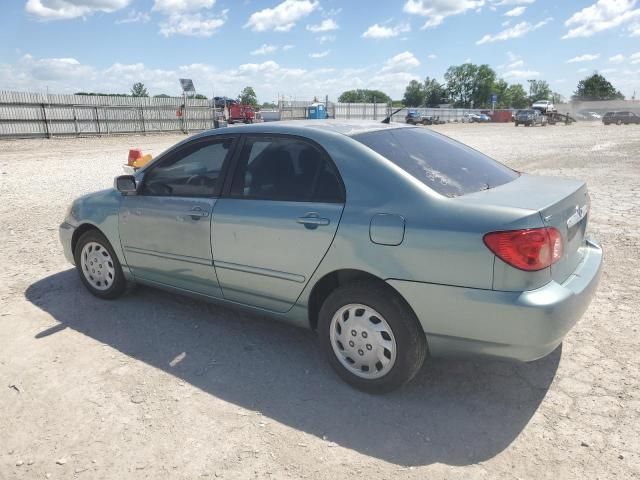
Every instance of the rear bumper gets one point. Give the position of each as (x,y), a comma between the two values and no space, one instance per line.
(514,325)
(66,234)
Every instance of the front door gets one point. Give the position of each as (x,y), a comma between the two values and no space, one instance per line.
(165,229)
(277,221)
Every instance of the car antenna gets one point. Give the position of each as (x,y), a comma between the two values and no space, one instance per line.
(388,119)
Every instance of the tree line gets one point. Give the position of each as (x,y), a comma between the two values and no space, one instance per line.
(472,86)
(466,86)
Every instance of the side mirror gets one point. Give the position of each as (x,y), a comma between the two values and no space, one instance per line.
(126,184)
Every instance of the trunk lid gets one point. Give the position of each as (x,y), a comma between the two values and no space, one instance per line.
(562,204)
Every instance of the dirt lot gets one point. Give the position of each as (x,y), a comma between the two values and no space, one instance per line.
(159,386)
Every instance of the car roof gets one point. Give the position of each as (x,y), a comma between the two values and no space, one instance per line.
(302,127)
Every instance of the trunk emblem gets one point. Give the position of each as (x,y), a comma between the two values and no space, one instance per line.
(578,215)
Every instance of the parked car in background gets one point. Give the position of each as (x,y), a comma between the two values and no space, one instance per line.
(530,118)
(472,117)
(620,118)
(414,118)
(391,241)
(544,106)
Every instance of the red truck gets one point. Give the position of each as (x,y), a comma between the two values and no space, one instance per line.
(240,113)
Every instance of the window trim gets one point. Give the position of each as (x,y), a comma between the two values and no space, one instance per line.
(178,149)
(235,160)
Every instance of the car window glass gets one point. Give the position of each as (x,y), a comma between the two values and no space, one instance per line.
(444,165)
(281,168)
(194,171)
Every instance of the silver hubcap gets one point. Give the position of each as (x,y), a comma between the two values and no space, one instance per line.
(362,341)
(97,266)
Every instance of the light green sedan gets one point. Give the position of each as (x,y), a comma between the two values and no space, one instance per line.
(393,242)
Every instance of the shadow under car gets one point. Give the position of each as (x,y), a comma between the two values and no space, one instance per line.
(456,412)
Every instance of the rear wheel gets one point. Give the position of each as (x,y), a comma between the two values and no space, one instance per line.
(371,337)
(98,266)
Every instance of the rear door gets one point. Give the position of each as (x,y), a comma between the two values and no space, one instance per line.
(276,220)
(165,229)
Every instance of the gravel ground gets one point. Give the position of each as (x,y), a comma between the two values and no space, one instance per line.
(155,385)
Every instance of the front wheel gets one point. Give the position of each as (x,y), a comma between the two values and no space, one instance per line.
(371,337)
(98,266)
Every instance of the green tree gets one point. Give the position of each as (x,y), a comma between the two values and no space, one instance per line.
(414,94)
(363,96)
(517,96)
(248,97)
(434,93)
(139,90)
(539,90)
(557,98)
(470,85)
(501,90)
(596,87)
(162,95)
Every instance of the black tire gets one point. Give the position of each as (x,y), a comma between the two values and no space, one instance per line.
(119,283)
(410,339)
(517,124)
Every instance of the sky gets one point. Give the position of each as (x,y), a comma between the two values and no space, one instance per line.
(304,48)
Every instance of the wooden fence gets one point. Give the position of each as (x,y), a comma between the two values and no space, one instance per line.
(40,115)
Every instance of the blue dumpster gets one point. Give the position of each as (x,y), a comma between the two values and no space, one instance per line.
(316,111)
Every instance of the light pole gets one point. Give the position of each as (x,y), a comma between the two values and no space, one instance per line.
(530,88)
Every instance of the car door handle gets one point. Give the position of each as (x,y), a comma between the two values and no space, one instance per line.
(312,220)
(198,212)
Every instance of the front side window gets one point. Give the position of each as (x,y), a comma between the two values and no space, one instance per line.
(444,165)
(287,169)
(193,171)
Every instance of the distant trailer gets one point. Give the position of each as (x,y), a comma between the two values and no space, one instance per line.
(555,117)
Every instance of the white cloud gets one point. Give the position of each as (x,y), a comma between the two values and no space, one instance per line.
(134,16)
(506,23)
(515,12)
(517,31)
(516,64)
(192,24)
(608,70)
(587,57)
(619,58)
(326,25)
(322,39)
(432,56)
(65,9)
(282,17)
(68,75)
(181,6)
(437,10)
(264,49)
(634,30)
(401,61)
(582,70)
(319,54)
(55,69)
(602,15)
(521,74)
(381,31)
(635,58)
(514,2)
(288,47)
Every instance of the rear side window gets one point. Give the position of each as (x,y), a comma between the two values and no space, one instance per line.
(444,165)
(287,169)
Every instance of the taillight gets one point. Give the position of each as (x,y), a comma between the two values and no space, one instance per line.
(530,249)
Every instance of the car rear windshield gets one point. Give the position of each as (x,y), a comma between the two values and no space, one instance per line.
(444,165)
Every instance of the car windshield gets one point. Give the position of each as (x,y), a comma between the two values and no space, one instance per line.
(444,165)
(527,112)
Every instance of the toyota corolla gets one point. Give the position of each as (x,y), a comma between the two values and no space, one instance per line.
(393,242)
